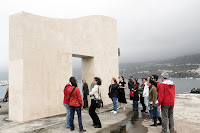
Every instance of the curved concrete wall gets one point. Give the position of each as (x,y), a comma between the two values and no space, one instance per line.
(41,51)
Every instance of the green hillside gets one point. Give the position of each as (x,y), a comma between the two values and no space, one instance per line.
(180,67)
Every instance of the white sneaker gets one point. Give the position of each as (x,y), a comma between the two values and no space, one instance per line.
(118,108)
(115,112)
(112,111)
(124,108)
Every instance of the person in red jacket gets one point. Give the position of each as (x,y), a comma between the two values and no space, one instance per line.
(166,102)
(75,104)
(66,104)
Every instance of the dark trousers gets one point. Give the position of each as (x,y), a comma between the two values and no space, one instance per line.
(93,114)
(142,102)
(72,111)
(85,101)
(167,113)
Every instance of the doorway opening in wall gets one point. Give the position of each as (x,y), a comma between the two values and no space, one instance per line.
(77,70)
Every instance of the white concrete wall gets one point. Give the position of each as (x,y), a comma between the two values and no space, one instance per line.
(41,51)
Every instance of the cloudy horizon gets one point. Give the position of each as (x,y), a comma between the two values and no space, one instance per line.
(147,30)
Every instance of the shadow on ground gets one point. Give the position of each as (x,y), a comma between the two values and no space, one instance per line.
(133,124)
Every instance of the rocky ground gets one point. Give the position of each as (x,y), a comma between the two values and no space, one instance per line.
(186,114)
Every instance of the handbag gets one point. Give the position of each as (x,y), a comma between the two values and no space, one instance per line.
(98,102)
(132,92)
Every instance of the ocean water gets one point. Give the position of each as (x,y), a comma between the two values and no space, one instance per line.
(181,86)
(3,91)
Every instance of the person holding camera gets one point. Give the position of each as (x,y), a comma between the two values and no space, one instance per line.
(96,95)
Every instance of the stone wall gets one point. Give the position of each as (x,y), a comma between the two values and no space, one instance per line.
(40,54)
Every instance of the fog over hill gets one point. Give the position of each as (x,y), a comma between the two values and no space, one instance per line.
(180,67)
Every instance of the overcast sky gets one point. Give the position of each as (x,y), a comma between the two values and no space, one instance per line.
(147,29)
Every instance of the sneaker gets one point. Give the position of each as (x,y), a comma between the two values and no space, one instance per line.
(118,108)
(112,111)
(115,112)
(174,131)
(124,108)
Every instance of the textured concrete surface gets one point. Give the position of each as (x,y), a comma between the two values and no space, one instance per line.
(57,123)
(186,115)
(40,60)
(122,122)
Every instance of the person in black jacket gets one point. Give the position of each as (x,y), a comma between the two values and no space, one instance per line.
(85,93)
(121,91)
(131,83)
(113,94)
(136,96)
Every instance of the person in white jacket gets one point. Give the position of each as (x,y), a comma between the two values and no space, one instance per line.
(146,95)
(95,94)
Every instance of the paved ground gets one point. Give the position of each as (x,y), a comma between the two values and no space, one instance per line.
(186,114)
(57,124)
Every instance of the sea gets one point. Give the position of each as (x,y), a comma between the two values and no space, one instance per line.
(181,86)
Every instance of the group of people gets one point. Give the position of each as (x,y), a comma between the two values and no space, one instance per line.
(73,102)
(153,95)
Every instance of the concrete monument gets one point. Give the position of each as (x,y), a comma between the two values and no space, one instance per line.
(40,60)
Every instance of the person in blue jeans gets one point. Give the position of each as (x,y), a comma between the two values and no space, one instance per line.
(66,104)
(153,100)
(72,111)
(113,94)
(75,104)
(68,115)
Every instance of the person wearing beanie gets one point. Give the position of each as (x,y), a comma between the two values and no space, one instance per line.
(166,102)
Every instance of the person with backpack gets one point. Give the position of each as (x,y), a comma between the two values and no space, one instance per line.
(75,104)
(113,94)
(95,94)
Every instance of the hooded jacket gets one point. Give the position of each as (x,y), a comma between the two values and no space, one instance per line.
(66,98)
(158,87)
(166,93)
(75,100)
